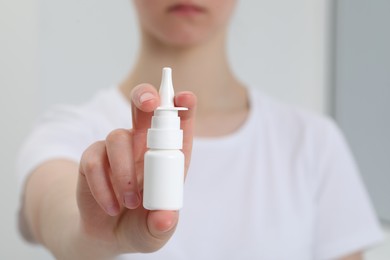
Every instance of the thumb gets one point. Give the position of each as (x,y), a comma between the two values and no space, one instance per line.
(162,223)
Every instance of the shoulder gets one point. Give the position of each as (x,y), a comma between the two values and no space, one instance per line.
(106,109)
(65,131)
(298,135)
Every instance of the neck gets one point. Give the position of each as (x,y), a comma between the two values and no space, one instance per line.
(202,69)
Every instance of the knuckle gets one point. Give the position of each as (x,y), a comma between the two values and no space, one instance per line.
(117,135)
(92,165)
(92,158)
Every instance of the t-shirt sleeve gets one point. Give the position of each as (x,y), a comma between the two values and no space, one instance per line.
(346,221)
(63,132)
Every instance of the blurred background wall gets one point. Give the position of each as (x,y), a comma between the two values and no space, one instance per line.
(63,51)
(361,90)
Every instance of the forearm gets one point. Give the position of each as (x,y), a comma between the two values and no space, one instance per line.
(355,256)
(52,214)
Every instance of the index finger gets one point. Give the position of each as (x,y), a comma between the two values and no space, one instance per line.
(144,100)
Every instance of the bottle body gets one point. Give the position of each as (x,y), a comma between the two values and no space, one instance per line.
(163,179)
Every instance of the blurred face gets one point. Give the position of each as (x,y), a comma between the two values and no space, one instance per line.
(183,22)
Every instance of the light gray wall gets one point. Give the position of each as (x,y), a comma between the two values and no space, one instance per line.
(63,51)
(19,105)
(362,90)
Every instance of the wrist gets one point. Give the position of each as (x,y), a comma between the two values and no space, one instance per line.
(70,241)
(81,245)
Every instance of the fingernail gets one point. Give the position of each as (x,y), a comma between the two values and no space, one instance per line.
(146,97)
(131,200)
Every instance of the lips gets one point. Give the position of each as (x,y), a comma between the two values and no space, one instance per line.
(186,9)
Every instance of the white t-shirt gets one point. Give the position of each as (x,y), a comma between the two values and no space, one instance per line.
(284,186)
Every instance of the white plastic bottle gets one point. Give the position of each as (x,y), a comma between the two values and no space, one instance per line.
(164,161)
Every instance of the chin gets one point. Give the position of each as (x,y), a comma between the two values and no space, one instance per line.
(181,34)
(183,42)
(185,39)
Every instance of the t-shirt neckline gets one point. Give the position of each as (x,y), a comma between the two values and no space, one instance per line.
(242,130)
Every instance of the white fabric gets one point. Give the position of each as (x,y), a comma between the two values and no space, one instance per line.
(284,186)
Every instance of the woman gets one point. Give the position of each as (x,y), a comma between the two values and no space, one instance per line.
(266,181)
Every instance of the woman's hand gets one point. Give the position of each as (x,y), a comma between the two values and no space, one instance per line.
(109,192)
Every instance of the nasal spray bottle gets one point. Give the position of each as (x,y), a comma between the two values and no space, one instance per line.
(164,161)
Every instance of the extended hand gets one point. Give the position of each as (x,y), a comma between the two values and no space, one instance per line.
(110,182)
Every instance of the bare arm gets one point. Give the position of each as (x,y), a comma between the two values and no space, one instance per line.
(52,214)
(355,256)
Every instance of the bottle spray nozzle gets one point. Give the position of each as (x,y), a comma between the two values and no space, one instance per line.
(165,132)
(166,89)
(167,92)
